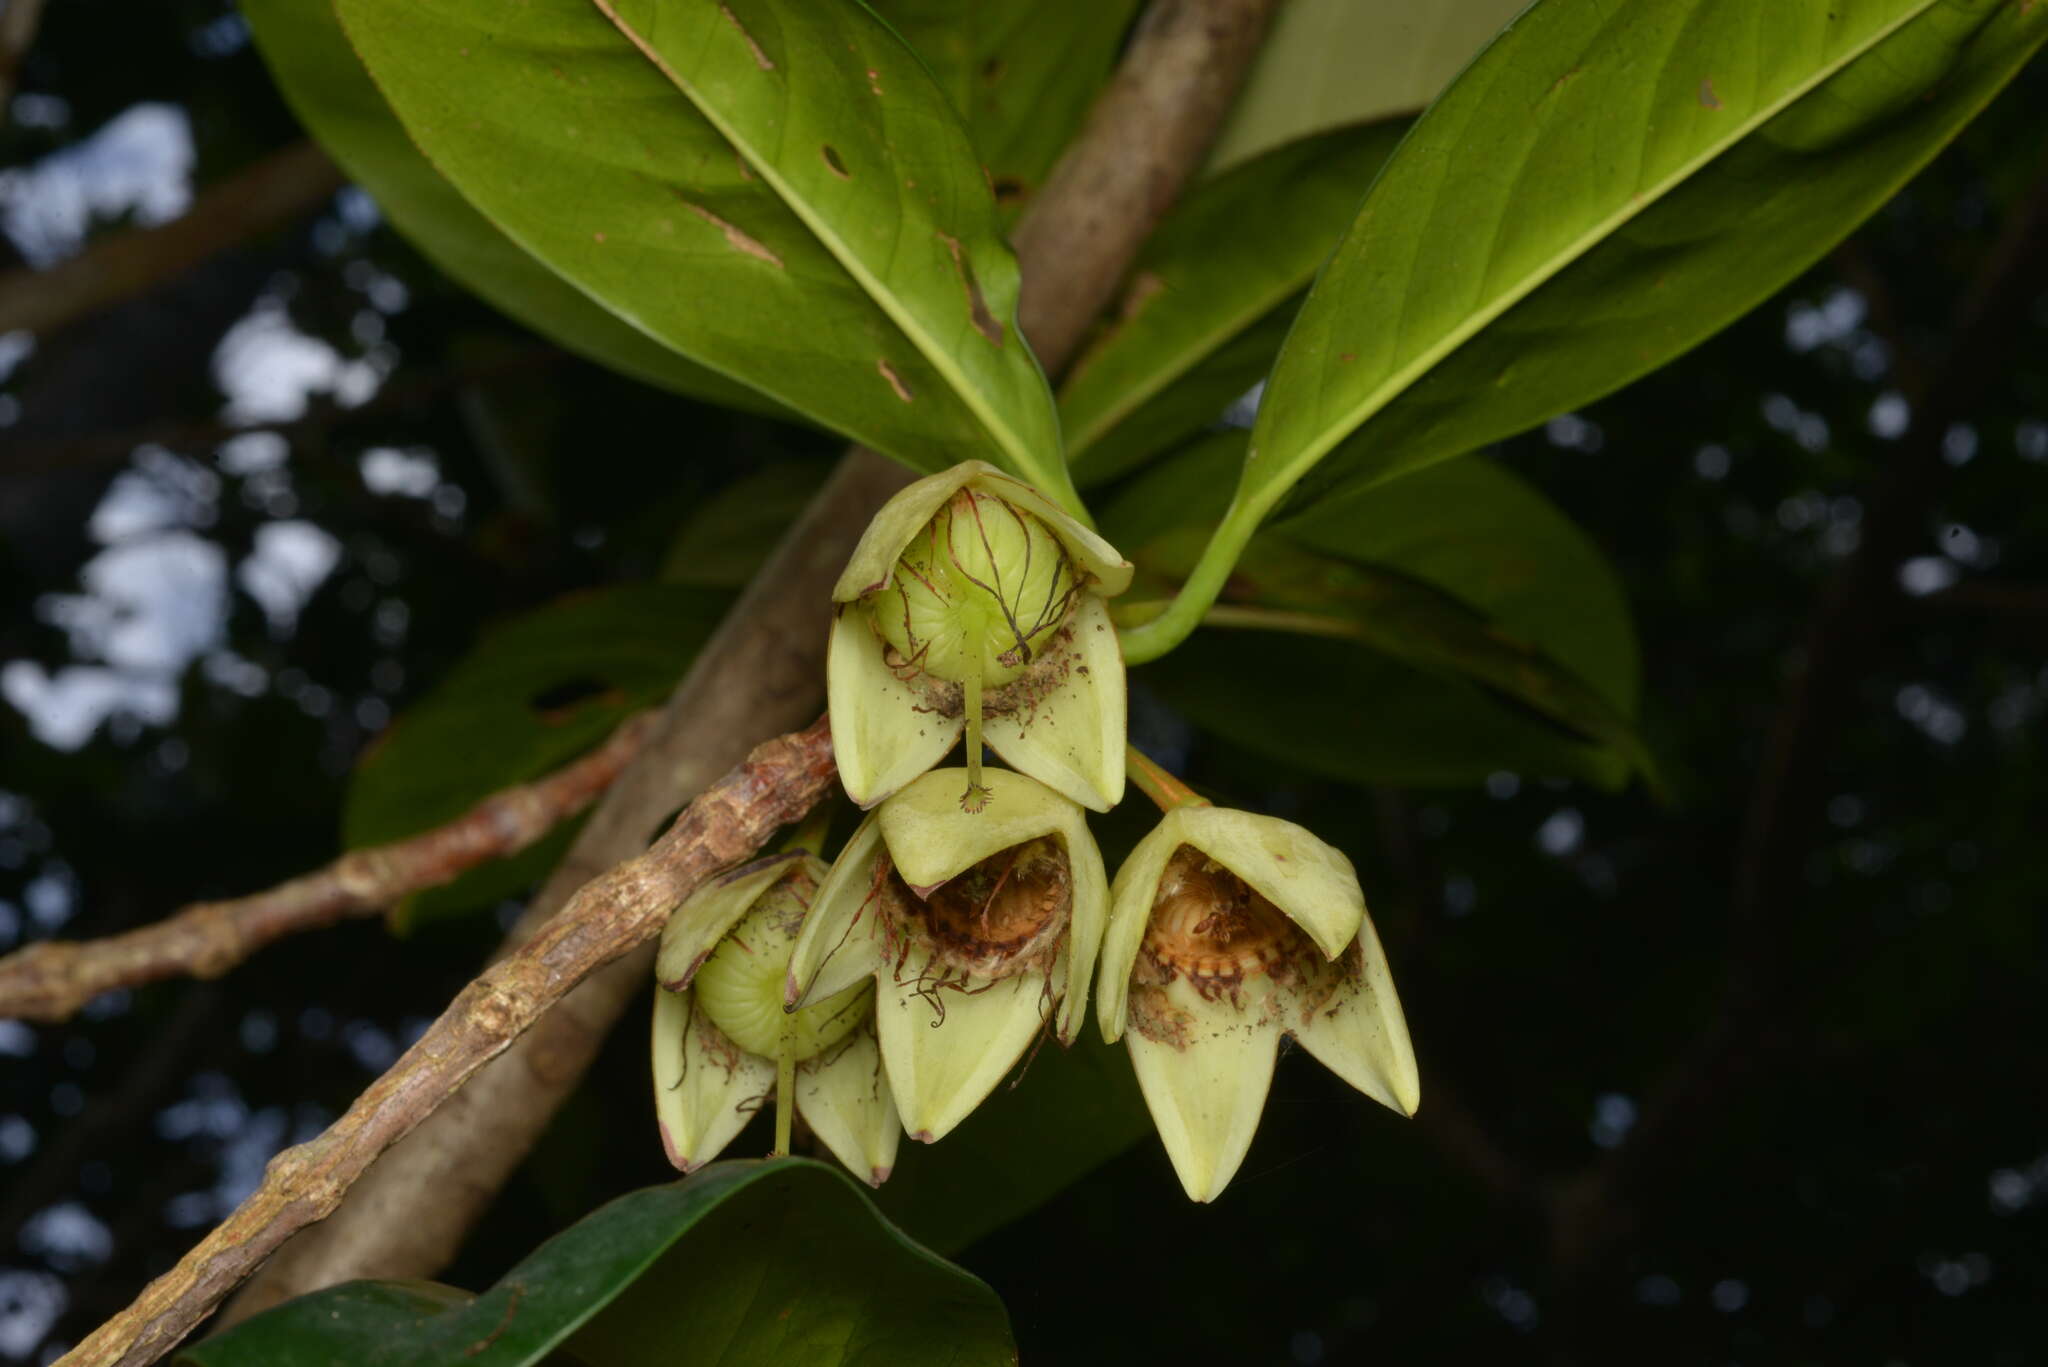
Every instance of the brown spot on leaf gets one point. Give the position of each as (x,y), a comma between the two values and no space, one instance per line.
(740,241)
(1563,81)
(760,57)
(1008,190)
(977,306)
(1708,99)
(832,160)
(888,372)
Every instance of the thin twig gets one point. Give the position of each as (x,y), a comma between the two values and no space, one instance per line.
(409,1214)
(51,980)
(267,195)
(612,915)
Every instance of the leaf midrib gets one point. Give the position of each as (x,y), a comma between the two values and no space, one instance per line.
(1005,437)
(1277,484)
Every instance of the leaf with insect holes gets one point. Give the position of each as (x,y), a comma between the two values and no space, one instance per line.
(326,86)
(774,188)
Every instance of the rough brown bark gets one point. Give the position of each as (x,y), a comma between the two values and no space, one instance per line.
(1148,132)
(50,980)
(615,913)
(764,670)
(267,195)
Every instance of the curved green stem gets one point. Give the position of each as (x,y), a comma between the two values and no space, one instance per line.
(976,796)
(785,1091)
(1150,639)
(1166,791)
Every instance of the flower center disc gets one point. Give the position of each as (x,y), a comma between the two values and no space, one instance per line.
(1212,927)
(740,985)
(1001,917)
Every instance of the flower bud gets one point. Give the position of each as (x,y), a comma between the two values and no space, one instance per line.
(1228,930)
(720,1030)
(974,604)
(979,931)
(981,590)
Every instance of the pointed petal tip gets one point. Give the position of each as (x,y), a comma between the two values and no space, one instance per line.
(668,1146)
(877,1176)
(924,1136)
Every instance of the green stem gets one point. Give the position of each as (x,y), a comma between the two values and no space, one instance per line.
(976,796)
(1150,639)
(785,1092)
(1166,791)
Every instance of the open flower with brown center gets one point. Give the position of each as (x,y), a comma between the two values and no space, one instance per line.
(973,604)
(979,931)
(724,1047)
(1228,930)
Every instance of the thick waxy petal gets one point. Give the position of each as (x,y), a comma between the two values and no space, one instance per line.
(947,1049)
(844,1096)
(1358,1031)
(1311,881)
(1130,911)
(1072,739)
(697,926)
(932,840)
(706,1087)
(883,731)
(1205,1068)
(838,945)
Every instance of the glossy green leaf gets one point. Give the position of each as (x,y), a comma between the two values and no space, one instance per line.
(531,696)
(1357,716)
(1328,63)
(319,76)
(1021,72)
(1488,631)
(1608,184)
(1210,296)
(775,188)
(1071,1111)
(745,1264)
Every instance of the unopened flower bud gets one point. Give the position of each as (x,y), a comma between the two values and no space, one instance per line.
(973,604)
(723,1044)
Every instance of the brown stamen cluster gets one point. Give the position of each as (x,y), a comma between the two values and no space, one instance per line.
(1001,917)
(1211,927)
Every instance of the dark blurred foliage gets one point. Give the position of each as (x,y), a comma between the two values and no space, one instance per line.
(1861,1176)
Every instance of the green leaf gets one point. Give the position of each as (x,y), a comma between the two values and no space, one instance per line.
(1021,72)
(766,1263)
(1357,716)
(532,695)
(775,188)
(1072,1111)
(1328,63)
(1487,630)
(1607,185)
(334,98)
(1210,296)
